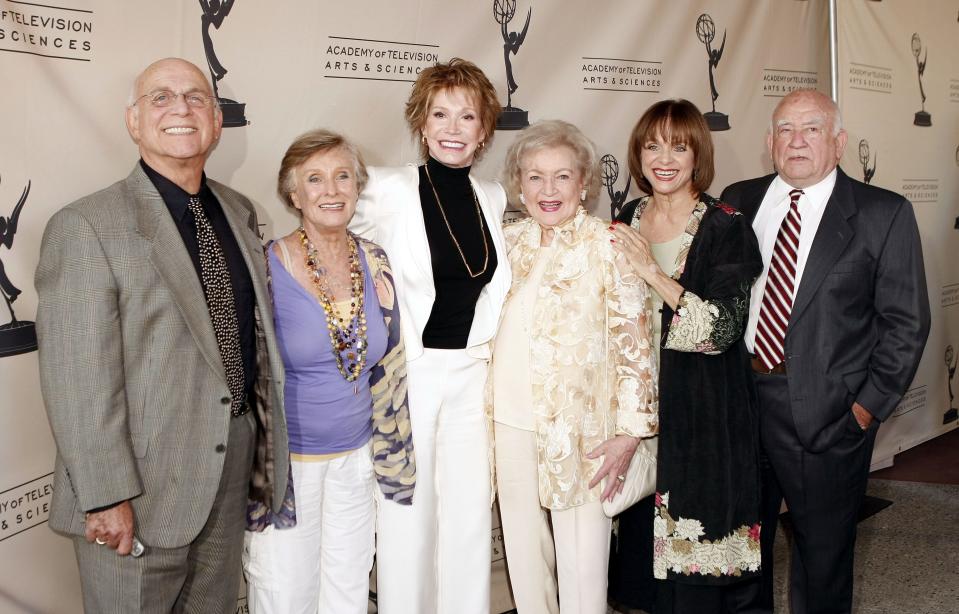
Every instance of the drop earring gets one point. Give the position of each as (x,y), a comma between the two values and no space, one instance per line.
(522,199)
(582,195)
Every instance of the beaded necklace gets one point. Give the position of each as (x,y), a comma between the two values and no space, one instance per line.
(349,336)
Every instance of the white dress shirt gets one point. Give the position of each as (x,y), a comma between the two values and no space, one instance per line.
(766,225)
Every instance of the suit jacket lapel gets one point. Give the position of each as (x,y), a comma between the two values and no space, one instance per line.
(753,196)
(173,263)
(833,235)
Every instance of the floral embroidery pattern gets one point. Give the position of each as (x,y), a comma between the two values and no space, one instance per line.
(591,366)
(699,325)
(678,547)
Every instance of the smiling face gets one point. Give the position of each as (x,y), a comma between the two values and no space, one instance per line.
(453,129)
(551,184)
(803,143)
(176,136)
(667,166)
(325,190)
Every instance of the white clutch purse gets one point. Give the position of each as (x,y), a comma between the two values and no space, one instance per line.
(640,478)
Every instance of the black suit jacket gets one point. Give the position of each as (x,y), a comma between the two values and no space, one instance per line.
(860,317)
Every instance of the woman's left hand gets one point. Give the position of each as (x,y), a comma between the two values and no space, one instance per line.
(618,452)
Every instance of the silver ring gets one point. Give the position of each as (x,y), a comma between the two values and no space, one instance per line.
(621,477)
(100,541)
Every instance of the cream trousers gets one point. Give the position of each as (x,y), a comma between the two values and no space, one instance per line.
(575,553)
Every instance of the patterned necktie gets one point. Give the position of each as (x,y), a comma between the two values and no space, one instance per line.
(218,290)
(780,282)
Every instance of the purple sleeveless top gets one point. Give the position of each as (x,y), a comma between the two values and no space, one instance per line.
(323,415)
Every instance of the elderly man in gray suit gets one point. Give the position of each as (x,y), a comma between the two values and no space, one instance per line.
(159,366)
(837,324)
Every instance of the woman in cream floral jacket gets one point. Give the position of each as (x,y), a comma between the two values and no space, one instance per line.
(573,386)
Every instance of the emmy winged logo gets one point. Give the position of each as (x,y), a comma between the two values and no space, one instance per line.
(609,168)
(512,118)
(214,12)
(867,172)
(706,33)
(16,336)
(922,118)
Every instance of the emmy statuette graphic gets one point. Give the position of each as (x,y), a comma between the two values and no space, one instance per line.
(16,336)
(512,118)
(706,32)
(867,173)
(922,117)
(214,12)
(610,173)
(951,414)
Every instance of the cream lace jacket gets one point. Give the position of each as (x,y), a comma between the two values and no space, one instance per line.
(592,370)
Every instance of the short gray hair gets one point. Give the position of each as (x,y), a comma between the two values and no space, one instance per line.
(547,134)
(305,147)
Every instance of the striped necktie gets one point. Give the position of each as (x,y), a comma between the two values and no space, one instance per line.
(780,284)
(218,290)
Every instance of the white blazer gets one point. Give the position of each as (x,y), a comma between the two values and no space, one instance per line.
(389,214)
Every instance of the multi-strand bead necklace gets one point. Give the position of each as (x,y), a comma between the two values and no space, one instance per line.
(347,336)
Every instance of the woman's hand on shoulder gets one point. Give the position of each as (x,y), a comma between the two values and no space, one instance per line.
(627,241)
(618,453)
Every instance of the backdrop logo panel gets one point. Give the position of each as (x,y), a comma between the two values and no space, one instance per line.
(952,414)
(214,12)
(777,82)
(610,173)
(870,78)
(370,59)
(57,32)
(25,506)
(922,118)
(621,75)
(706,33)
(920,190)
(512,118)
(16,336)
(949,296)
(867,172)
(914,399)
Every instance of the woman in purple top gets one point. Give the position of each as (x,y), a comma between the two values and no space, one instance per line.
(337,327)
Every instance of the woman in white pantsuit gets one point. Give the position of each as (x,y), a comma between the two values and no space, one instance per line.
(573,381)
(441,228)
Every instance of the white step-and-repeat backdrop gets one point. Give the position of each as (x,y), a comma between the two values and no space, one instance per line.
(66,67)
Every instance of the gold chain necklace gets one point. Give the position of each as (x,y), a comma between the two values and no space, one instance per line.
(349,336)
(479,216)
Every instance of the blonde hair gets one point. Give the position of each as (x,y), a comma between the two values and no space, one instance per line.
(306,146)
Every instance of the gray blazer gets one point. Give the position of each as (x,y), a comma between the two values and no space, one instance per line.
(130,370)
(860,317)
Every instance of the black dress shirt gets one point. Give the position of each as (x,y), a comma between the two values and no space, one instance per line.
(176,200)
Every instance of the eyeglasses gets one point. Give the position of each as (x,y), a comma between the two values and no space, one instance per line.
(165,98)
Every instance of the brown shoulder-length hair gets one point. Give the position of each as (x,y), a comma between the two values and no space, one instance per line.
(446,76)
(678,121)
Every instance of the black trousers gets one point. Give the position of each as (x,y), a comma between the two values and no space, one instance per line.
(823,493)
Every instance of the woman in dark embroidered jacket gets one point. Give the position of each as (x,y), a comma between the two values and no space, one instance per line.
(700,258)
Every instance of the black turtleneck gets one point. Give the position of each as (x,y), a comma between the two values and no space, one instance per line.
(456,292)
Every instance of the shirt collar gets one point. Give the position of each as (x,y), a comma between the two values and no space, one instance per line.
(814,197)
(176,198)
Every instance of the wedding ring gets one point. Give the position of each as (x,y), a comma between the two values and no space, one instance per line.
(621,478)
(100,541)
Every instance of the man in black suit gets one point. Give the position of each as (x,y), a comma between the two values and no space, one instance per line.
(837,324)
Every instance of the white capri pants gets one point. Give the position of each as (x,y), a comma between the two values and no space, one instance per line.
(323,563)
(575,554)
(433,557)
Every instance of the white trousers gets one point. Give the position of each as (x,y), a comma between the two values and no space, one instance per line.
(576,550)
(433,557)
(322,565)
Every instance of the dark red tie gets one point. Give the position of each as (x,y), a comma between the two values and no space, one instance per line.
(778,298)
